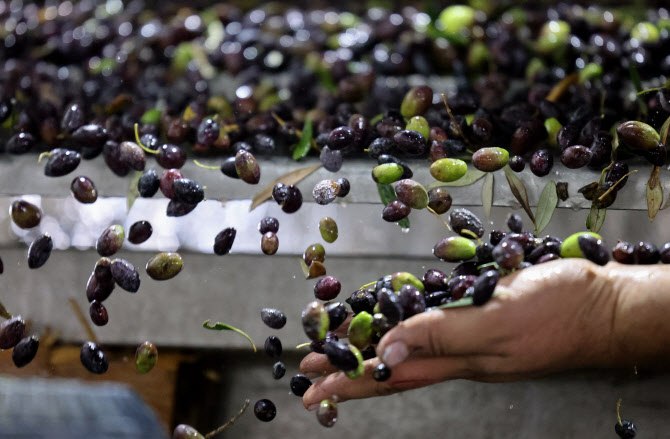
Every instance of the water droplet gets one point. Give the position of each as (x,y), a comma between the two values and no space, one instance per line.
(404,229)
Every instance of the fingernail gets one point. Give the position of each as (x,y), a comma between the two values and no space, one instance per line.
(312,375)
(395,354)
(313,407)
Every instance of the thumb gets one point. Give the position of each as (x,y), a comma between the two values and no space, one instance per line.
(437,333)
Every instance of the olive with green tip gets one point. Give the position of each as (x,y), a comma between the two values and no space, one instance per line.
(490,159)
(554,36)
(420,125)
(247,167)
(360,369)
(448,170)
(553,126)
(110,240)
(326,414)
(455,249)
(164,266)
(387,173)
(314,252)
(183,431)
(412,194)
(417,101)
(404,278)
(360,330)
(638,135)
(328,229)
(570,247)
(146,357)
(25,215)
(315,321)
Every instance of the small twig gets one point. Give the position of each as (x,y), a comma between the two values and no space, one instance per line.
(618,406)
(471,233)
(144,148)
(82,320)
(200,165)
(4,313)
(453,119)
(607,192)
(303,345)
(229,423)
(41,156)
(560,88)
(438,215)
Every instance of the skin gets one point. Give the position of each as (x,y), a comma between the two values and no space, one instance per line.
(561,315)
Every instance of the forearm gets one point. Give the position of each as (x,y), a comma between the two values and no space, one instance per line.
(641,326)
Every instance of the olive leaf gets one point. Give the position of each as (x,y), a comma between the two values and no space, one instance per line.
(596,219)
(546,206)
(133,192)
(387,194)
(519,191)
(560,88)
(664,132)
(466,301)
(487,194)
(654,194)
(305,142)
(471,176)
(304,267)
(218,326)
(293,177)
(4,313)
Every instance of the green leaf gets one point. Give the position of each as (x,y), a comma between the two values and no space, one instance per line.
(151,116)
(546,206)
(218,326)
(387,194)
(132,193)
(304,267)
(487,194)
(654,194)
(305,142)
(596,219)
(519,191)
(466,301)
(471,176)
(3,312)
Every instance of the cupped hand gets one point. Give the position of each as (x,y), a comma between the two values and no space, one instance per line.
(550,317)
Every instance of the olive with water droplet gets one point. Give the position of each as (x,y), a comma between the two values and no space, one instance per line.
(125,275)
(404,278)
(314,252)
(463,219)
(325,191)
(183,431)
(326,414)
(61,162)
(439,200)
(490,159)
(11,332)
(83,189)
(139,232)
(412,194)
(395,211)
(188,191)
(93,358)
(274,318)
(638,135)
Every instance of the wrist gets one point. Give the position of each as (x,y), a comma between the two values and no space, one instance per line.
(640,328)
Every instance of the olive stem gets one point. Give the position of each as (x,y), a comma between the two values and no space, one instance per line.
(368,285)
(440,218)
(608,191)
(618,406)
(200,165)
(82,320)
(640,93)
(144,148)
(471,233)
(453,119)
(44,154)
(230,422)
(303,345)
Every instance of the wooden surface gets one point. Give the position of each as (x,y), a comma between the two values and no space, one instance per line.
(157,388)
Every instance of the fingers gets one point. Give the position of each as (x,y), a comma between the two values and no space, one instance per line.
(441,333)
(315,365)
(409,375)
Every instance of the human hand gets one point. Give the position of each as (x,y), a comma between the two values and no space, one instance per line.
(554,316)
